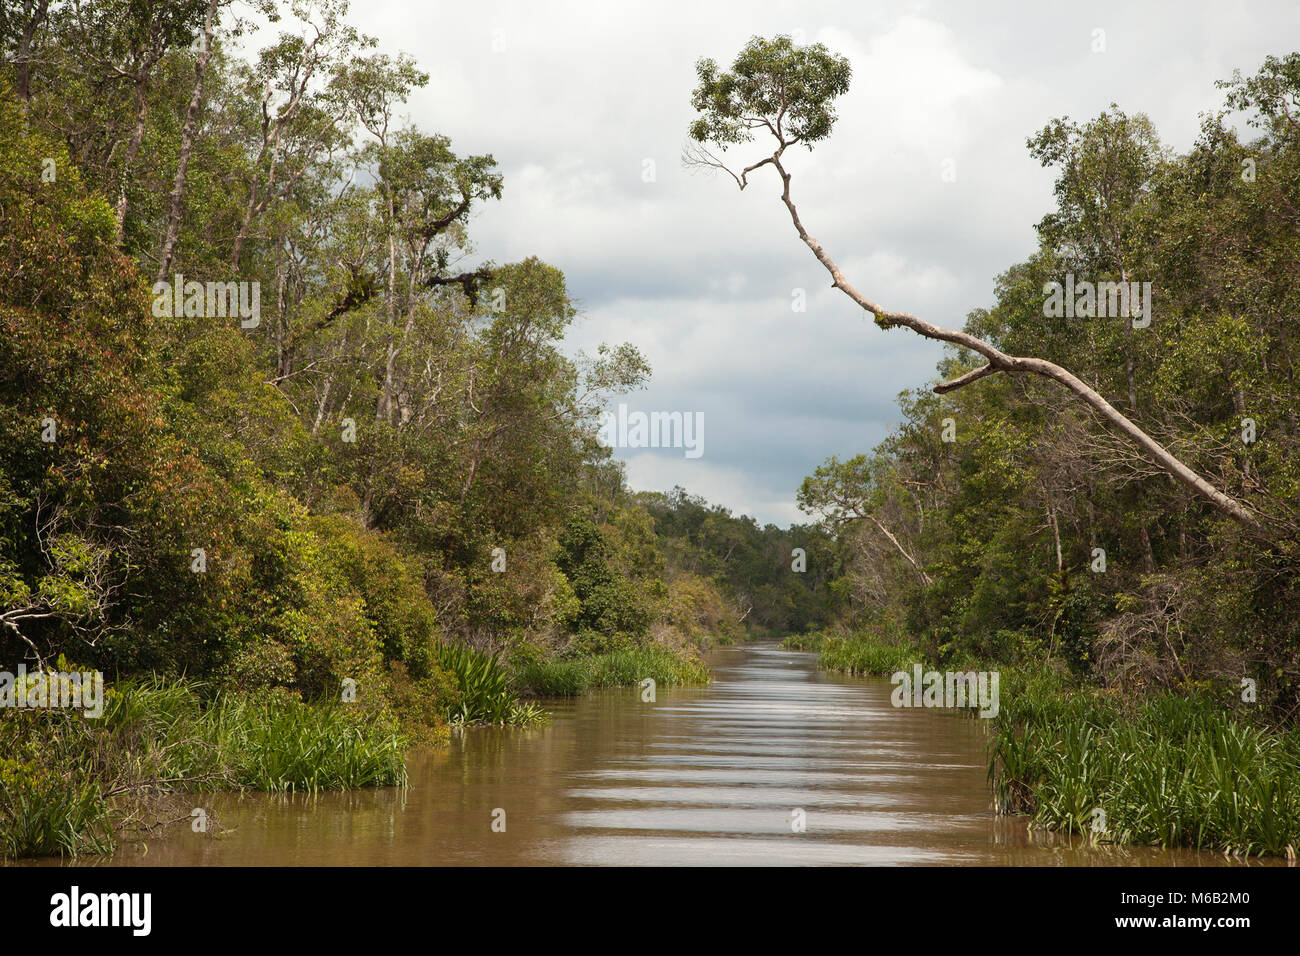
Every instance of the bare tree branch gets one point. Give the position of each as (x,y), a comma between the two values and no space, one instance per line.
(999,361)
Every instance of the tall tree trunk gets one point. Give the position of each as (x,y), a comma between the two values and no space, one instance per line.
(176,201)
(34,11)
(1148,553)
(1056,536)
(132,147)
(1128,352)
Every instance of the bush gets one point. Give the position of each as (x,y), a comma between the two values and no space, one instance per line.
(486,691)
(49,812)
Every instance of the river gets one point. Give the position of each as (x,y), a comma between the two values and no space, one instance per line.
(775,763)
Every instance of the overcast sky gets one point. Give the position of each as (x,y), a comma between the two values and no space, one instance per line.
(573,99)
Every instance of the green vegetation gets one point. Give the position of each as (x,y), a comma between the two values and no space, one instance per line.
(289,745)
(1173,770)
(867,657)
(713,552)
(67,783)
(808,641)
(44,812)
(569,677)
(486,695)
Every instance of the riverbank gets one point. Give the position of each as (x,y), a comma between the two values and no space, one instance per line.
(1195,768)
(71,785)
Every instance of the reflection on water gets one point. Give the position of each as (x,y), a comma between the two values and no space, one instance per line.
(713,775)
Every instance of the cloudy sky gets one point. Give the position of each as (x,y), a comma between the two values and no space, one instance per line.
(582,102)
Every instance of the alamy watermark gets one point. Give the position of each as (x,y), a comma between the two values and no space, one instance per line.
(212,300)
(1086,300)
(75,908)
(624,429)
(48,690)
(946,689)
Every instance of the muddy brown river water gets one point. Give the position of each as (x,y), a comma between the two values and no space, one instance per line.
(706,775)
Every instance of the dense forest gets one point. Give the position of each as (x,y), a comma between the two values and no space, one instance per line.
(391,453)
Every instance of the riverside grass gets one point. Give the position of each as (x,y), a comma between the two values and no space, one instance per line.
(1173,770)
(862,657)
(855,653)
(265,741)
(66,781)
(571,677)
(1166,769)
(487,694)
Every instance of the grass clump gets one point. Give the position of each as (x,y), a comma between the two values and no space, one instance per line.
(862,654)
(866,656)
(554,677)
(809,641)
(1173,770)
(46,811)
(487,694)
(631,666)
(274,745)
(573,676)
(169,736)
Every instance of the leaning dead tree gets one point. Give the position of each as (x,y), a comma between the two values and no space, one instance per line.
(788,91)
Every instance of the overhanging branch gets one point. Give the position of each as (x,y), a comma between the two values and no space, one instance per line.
(999,361)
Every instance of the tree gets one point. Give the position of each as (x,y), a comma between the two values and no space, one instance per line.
(19,29)
(788,91)
(127,40)
(849,491)
(176,199)
(308,87)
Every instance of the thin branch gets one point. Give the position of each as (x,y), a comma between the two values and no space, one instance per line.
(972,376)
(901,550)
